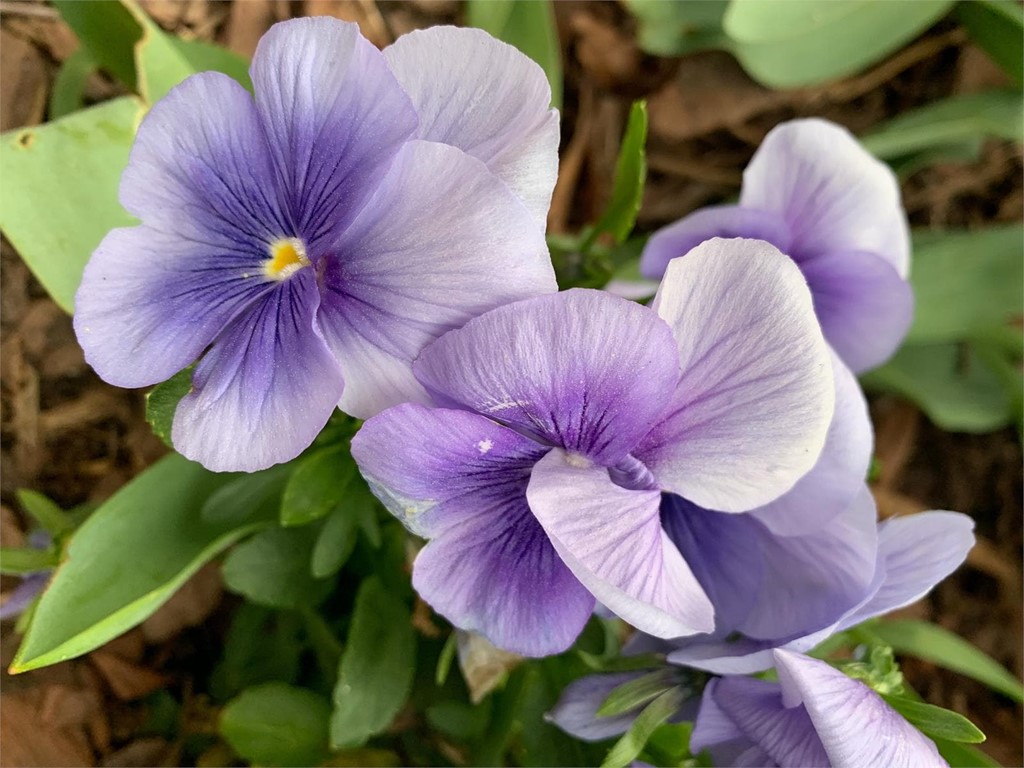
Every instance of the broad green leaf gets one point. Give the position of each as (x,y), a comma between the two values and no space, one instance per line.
(681,27)
(954,387)
(966,281)
(248,496)
(792,43)
(277,724)
(51,517)
(628,747)
(963,755)
(126,561)
(376,668)
(529,25)
(636,693)
(936,722)
(630,175)
(59,193)
(335,543)
(69,85)
(19,561)
(940,646)
(952,121)
(998,27)
(162,402)
(318,485)
(108,31)
(272,569)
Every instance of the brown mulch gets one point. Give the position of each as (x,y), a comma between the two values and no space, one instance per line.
(69,435)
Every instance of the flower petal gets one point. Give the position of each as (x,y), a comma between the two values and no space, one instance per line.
(838,477)
(266,387)
(576,711)
(205,173)
(443,241)
(916,553)
(855,725)
(612,539)
(434,468)
(833,194)
(726,221)
(334,117)
(489,100)
(864,306)
(150,303)
(499,575)
(583,370)
(751,352)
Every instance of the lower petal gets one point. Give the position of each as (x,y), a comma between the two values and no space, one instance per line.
(499,575)
(612,539)
(864,306)
(265,389)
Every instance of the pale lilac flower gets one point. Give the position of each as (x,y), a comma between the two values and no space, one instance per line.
(813,716)
(562,419)
(305,245)
(816,194)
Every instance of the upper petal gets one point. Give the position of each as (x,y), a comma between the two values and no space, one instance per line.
(755,397)
(442,241)
(855,725)
(612,539)
(581,369)
(334,117)
(838,476)
(150,302)
(833,194)
(486,98)
(864,306)
(727,221)
(266,387)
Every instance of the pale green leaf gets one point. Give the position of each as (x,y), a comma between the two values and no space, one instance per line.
(628,748)
(51,517)
(19,561)
(637,693)
(936,722)
(69,84)
(630,175)
(681,27)
(272,569)
(277,724)
(162,402)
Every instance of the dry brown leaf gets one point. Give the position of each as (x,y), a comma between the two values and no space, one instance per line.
(127,681)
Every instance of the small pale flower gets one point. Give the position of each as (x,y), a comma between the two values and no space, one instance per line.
(816,194)
(305,245)
(590,406)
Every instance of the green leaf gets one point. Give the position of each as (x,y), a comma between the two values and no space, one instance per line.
(261,646)
(998,27)
(376,669)
(956,389)
(277,724)
(529,25)
(162,402)
(272,569)
(630,175)
(963,756)
(59,194)
(637,693)
(940,646)
(51,517)
(248,496)
(792,43)
(679,28)
(108,31)
(126,561)
(952,121)
(935,722)
(16,562)
(317,486)
(69,84)
(335,543)
(444,660)
(628,747)
(965,282)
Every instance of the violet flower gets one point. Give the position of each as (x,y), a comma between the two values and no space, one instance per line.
(814,715)
(562,419)
(816,194)
(306,245)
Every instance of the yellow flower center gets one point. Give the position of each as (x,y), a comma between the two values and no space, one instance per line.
(287,257)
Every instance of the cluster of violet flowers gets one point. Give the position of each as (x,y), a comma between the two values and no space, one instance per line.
(367,233)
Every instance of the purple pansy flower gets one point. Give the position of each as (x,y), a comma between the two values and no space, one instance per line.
(816,194)
(813,716)
(562,419)
(305,245)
